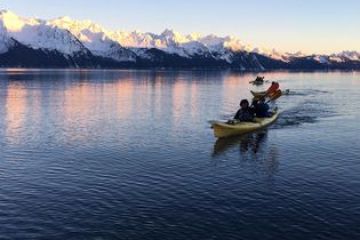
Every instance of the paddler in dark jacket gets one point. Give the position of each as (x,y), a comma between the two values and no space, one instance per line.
(261,108)
(245,113)
(259,79)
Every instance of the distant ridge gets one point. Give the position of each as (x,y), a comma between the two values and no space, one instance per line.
(67,43)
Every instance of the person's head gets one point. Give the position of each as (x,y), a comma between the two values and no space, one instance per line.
(272,83)
(244,103)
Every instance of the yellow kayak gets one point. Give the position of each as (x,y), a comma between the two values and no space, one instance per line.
(223,129)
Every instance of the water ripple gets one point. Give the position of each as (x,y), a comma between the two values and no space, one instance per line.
(129,155)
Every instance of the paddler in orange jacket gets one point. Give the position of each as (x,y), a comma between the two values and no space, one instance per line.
(272,89)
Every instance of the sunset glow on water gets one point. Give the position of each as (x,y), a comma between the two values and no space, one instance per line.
(130,154)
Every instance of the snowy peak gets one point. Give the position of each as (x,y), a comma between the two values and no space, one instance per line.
(95,38)
(172,36)
(86,31)
(38,34)
(174,42)
(11,22)
(76,26)
(348,55)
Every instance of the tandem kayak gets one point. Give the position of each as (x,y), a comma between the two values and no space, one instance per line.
(223,129)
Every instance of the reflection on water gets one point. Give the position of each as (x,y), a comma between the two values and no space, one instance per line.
(251,147)
(248,142)
(15,110)
(130,155)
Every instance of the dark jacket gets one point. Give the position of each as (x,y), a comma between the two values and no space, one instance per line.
(262,110)
(245,115)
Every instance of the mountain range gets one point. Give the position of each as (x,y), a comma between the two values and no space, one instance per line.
(67,43)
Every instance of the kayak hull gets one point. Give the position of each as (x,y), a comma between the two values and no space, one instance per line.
(271,95)
(222,129)
(257,82)
(258,94)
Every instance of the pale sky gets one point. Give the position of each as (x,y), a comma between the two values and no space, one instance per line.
(310,26)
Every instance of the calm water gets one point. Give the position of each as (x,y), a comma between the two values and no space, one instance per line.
(130,155)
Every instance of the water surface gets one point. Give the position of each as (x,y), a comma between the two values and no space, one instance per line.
(130,155)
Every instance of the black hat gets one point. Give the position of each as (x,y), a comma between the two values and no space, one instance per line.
(244,101)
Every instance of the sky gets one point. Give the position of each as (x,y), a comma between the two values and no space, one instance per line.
(310,26)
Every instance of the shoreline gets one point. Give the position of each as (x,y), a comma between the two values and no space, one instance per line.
(166,69)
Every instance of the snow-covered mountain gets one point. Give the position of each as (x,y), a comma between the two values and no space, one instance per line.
(95,38)
(64,42)
(173,42)
(38,34)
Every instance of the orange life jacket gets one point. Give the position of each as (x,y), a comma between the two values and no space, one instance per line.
(272,89)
